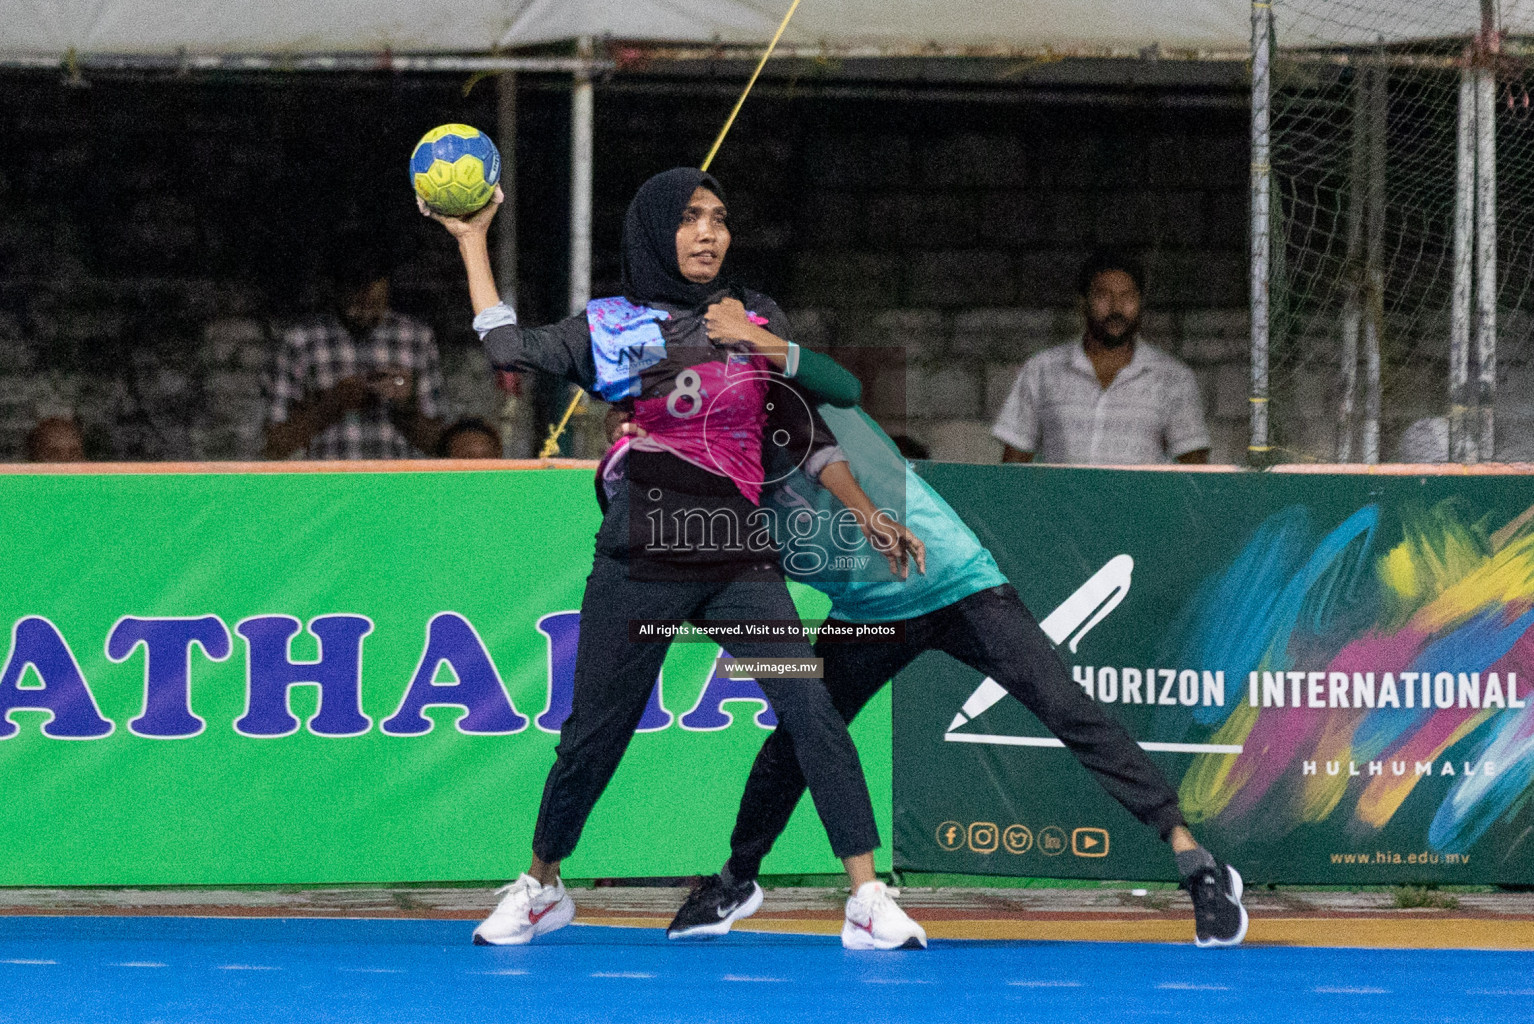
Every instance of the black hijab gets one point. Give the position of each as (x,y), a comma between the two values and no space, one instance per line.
(650,271)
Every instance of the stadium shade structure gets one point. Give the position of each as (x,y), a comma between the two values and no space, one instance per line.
(294,36)
(48,29)
(891,27)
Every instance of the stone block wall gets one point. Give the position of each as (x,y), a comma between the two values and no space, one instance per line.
(952,233)
(955,369)
(155,235)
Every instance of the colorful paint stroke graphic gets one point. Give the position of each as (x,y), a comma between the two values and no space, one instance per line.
(1445,596)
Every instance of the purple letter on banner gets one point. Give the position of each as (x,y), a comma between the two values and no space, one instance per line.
(37,642)
(168,668)
(709,713)
(269,674)
(563,630)
(452,639)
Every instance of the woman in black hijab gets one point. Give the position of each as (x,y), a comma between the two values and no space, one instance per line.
(651,268)
(679,350)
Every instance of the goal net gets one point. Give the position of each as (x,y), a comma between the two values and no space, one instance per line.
(1402,231)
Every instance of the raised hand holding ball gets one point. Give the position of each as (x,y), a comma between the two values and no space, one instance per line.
(455,169)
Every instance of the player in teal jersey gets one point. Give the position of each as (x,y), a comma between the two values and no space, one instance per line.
(962,605)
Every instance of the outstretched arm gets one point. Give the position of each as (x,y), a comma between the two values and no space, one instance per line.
(889,538)
(829,380)
(473,236)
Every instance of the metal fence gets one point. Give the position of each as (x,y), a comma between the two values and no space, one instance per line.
(1392,234)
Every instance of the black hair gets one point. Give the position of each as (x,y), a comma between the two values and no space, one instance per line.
(34,439)
(467,425)
(1103,260)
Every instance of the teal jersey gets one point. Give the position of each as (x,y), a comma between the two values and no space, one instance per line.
(957,563)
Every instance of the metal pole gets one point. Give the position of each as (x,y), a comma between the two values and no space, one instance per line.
(1486,243)
(1371,439)
(1262,26)
(582,113)
(506,223)
(1352,317)
(284,63)
(1353,267)
(1459,309)
(517,429)
(1374,310)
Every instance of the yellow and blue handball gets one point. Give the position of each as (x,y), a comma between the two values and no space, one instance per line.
(455,169)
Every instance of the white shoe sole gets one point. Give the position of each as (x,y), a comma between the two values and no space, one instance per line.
(1237,887)
(752,904)
(559,915)
(854,937)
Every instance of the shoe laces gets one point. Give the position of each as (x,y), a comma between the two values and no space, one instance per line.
(1206,891)
(705,885)
(882,898)
(520,885)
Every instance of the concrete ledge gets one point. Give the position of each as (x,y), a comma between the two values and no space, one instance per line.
(1110,913)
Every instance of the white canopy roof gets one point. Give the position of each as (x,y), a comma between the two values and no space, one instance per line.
(46,27)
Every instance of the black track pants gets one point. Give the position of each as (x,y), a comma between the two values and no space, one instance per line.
(991,631)
(613,680)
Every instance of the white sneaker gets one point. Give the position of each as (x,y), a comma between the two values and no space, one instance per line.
(526,911)
(875,922)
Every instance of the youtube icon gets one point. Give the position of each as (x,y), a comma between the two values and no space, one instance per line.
(1090,842)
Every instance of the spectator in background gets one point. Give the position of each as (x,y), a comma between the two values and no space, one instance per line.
(55,439)
(470,438)
(362,382)
(1109,399)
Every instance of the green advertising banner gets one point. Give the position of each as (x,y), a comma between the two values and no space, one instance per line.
(338,676)
(1333,670)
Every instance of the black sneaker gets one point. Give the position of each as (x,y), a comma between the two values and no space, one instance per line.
(1218,916)
(712,907)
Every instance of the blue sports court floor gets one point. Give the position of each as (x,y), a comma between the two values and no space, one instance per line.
(138,970)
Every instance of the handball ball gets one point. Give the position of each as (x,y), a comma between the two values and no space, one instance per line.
(455,169)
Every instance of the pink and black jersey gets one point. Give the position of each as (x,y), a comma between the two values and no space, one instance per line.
(711,413)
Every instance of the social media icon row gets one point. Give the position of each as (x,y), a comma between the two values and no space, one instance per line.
(987,837)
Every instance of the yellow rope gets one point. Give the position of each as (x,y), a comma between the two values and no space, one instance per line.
(551,446)
(747,91)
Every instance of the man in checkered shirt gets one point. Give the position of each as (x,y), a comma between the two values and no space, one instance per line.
(360,383)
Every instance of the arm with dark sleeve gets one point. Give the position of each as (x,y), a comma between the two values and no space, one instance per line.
(818,374)
(562,349)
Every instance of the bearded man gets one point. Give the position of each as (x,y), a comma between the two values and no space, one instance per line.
(1109,399)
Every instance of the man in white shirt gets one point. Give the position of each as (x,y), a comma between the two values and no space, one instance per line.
(1109,399)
